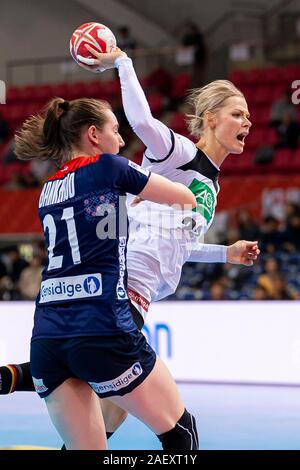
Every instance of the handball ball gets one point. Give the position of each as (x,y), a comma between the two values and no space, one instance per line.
(98,36)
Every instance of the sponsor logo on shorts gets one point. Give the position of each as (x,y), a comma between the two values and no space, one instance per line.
(39,385)
(69,288)
(119,382)
(136,369)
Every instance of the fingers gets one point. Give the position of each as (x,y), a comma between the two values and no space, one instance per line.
(92,50)
(252,247)
(248,263)
(88,61)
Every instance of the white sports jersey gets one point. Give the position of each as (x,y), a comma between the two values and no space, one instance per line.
(161,238)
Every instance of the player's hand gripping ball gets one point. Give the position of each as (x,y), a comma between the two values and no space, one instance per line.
(97,36)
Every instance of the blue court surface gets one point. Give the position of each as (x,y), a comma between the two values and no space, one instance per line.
(228,417)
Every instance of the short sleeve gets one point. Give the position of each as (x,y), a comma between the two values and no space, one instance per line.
(125,174)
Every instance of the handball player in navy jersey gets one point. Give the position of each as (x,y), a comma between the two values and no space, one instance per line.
(85,343)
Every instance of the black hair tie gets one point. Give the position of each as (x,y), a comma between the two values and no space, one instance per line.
(64,106)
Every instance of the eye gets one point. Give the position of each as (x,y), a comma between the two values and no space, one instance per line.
(236,114)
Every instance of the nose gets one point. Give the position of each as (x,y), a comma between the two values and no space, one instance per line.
(121,141)
(248,123)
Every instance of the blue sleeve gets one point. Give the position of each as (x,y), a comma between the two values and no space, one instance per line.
(124,174)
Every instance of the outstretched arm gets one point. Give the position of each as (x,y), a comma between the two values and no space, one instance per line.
(240,252)
(154,134)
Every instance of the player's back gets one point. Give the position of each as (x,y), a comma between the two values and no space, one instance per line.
(83,214)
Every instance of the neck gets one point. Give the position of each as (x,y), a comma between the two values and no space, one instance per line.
(215,152)
(84,150)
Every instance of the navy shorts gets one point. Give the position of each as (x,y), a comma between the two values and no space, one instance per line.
(112,365)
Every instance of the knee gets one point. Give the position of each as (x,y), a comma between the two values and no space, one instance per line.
(183,436)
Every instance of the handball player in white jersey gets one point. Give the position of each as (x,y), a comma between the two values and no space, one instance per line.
(162,240)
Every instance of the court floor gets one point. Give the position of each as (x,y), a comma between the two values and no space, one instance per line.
(228,417)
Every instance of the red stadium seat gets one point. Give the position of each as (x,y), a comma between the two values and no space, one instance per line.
(13,94)
(156,102)
(263,95)
(270,136)
(255,139)
(282,160)
(238,77)
(112,89)
(61,90)
(95,89)
(28,93)
(180,85)
(78,90)
(138,155)
(178,123)
(44,93)
(260,115)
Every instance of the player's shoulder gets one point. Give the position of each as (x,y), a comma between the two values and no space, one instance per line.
(118,161)
(186,143)
(183,150)
(112,162)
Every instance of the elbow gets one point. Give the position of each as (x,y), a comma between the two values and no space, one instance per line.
(141,125)
(189,201)
(193,201)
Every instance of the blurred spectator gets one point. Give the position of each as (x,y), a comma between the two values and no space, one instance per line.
(248,229)
(9,155)
(4,129)
(193,52)
(125,41)
(280,107)
(39,249)
(260,293)
(282,291)
(14,263)
(288,131)
(271,237)
(267,278)
(30,279)
(16,182)
(3,270)
(236,276)
(217,292)
(30,181)
(41,169)
(291,234)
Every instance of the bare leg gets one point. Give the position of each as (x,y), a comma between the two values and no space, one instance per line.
(113,415)
(156,401)
(76,413)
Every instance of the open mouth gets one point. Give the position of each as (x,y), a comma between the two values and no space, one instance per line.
(241,137)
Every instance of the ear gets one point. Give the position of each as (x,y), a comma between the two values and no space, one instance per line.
(93,135)
(210,120)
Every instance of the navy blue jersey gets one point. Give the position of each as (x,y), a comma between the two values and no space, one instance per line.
(82,209)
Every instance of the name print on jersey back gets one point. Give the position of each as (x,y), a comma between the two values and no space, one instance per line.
(78,207)
(58,191)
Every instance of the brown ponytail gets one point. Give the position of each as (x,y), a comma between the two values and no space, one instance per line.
(53,134)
